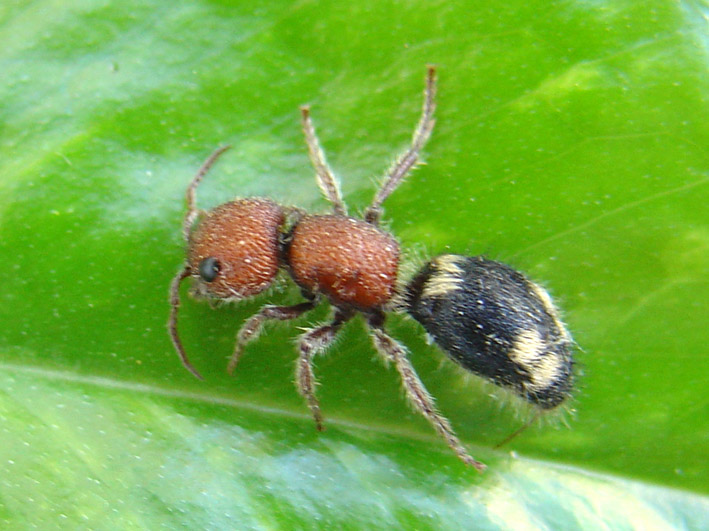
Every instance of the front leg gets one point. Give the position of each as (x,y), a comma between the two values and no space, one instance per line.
(252,327)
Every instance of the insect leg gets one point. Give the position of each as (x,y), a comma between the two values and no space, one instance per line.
(252,327)
(311,343)
(392,351)
(327,182)
(403,164)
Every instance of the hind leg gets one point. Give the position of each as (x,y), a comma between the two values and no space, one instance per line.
(409,158)
(392,351)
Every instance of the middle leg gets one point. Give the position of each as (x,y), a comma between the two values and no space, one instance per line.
(327,182)
(310,344)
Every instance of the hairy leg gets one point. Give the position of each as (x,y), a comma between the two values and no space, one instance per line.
(327,182)
(311,343)
(392,351)
(408,159)
(252,327)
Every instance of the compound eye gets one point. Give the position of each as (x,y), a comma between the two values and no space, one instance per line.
(209,269)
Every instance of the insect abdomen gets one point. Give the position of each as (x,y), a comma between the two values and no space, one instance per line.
(495,322)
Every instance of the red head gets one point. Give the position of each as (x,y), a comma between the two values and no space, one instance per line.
(233,250)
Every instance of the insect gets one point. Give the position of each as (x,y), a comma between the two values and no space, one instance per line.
(507,331)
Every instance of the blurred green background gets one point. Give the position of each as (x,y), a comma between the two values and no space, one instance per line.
(571,142)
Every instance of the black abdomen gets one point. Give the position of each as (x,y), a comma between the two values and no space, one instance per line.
(495,322)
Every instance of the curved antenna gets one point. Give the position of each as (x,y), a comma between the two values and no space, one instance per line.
(327,182)
(190,216)
(403,164)
(172,322)
(190,195)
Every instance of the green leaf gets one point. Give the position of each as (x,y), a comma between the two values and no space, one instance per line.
(570,142)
